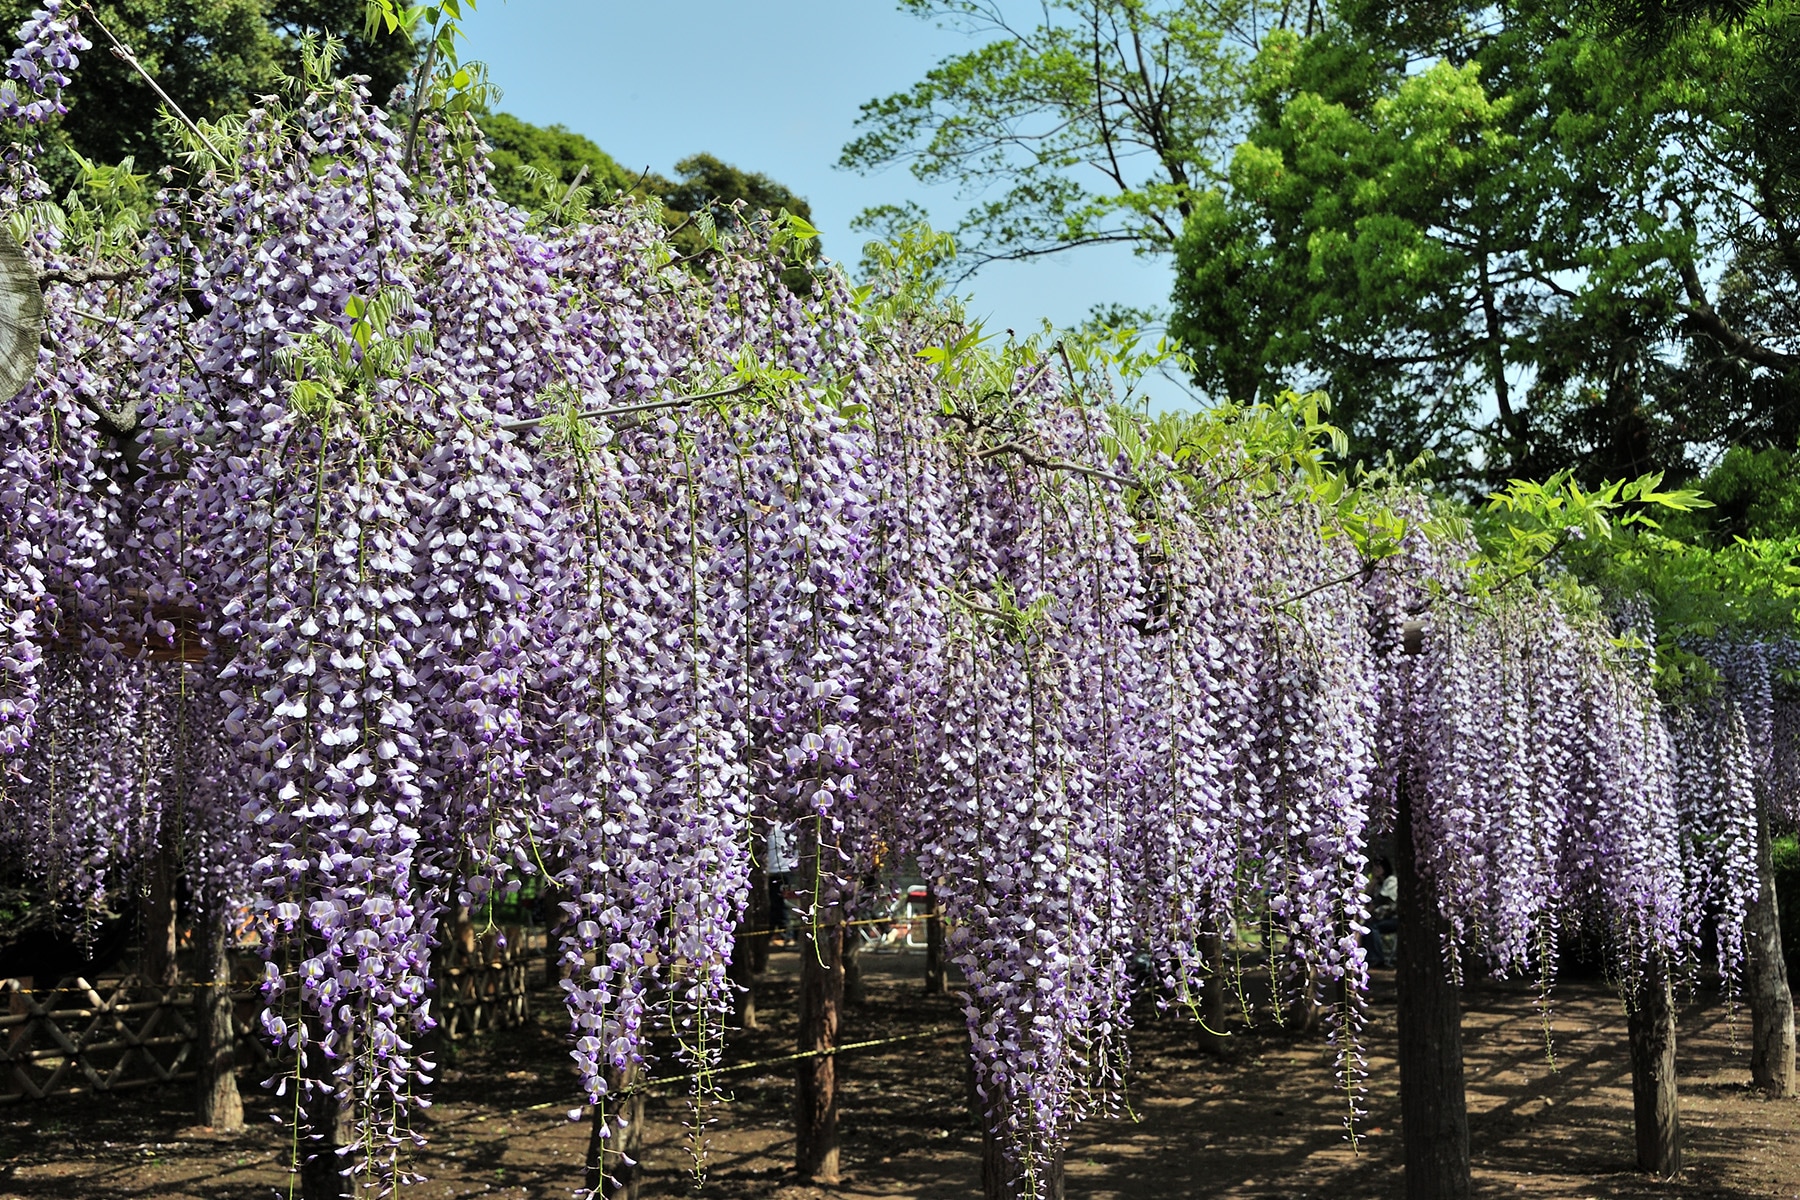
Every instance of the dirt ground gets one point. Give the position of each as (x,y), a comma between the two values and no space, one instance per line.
(1262,1122)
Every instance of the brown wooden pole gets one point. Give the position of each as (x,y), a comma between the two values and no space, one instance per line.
(160,928)
(1434,1115)
(997,1171)
(742,971)
(1655,1106)
(1765,978)
(856,992)
(218,1104)
(328,1129)
(761,915)
(327,1119)
(821,995)
(934,943)
(1212,996)
(616,1138)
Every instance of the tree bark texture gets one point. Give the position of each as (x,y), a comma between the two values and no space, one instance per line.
(218,1104)
(322,1168)
(742,972)
(821,993)
(997,1172)
(1655,1108)
(1434,1116)
(160,927)
(1765,979)
(327,1124)
(1212,996)
(934,944)
(616,1138)
(759,918)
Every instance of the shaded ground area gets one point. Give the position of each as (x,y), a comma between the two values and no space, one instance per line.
(1263,1122)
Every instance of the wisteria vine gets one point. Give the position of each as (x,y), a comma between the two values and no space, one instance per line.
(514,548)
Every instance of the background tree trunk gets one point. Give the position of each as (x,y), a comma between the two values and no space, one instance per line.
(997,1172)
(821,994)
(219,1105)
(616,1138)
(1434,1115)
(1655,1108)
(855,993)
(934,943)
(1765,978)
(327,1123)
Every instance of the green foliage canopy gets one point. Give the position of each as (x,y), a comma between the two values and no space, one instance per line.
(213,57)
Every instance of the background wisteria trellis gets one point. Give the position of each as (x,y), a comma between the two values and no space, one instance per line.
(522,548)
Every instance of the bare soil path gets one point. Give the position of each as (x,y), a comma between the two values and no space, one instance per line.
(1262,1122)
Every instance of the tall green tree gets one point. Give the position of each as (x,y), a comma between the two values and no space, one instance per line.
(1507,234)
(213,57)
(1549,248)
(1100,123)
(526,158)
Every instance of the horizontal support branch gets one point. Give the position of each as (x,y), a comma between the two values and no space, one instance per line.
(77,278)
(1033,458)
(596,414)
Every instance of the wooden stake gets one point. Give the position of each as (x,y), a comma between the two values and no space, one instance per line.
(1765,978)
(821,994)
(1434,1115)
(218,1104)
(934,943)
(1655,1105)
(616,1138)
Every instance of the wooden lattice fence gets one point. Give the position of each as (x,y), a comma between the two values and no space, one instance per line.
(487,985)
(101,1035)
(116,1034)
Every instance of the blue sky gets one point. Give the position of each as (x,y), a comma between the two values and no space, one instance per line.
(771,87)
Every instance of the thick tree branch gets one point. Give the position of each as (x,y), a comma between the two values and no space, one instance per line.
(1027,455)
(77,278)
(595,414)
(1703,316)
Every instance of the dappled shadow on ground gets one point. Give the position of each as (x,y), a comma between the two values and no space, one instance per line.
(1265,1120)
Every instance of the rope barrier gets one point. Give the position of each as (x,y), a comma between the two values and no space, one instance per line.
(739,1068)
(12,985)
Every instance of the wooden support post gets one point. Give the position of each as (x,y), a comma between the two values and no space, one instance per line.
(1765,978)
(856,992)
(1212,996)
(160,928)
(328,1129)
(218,1104)
(742,971)
(760,916)
(821,994)
(1654,1102)
(934,943)
(1434,1115)
(997,1175)
(327,1119)
(616,1138)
